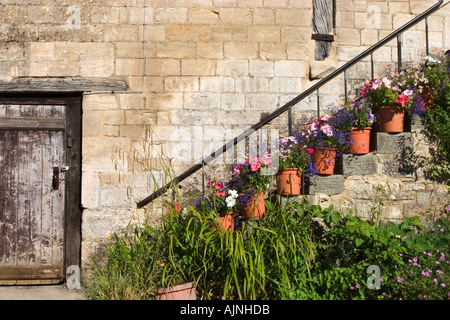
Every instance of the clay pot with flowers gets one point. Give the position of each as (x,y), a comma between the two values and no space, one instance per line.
(326,137)
(390,102)
(220,200)
(358,122)
(251,179)
(293,158)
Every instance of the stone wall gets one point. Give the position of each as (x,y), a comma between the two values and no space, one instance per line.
(391,182)
(197,71)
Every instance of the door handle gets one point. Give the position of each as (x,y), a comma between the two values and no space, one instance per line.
(55,179)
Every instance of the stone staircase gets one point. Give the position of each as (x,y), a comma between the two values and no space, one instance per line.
(391,180)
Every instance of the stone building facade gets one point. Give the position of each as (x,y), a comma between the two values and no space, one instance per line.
(194,71)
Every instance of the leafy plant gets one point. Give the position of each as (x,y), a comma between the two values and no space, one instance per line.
(293,154)
(327,131)
(217,198)
(387,93)
(251,176)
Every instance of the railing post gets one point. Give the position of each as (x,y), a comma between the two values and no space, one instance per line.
(290,121)
(318,104)
(345,87)
(399,51)
(371,66)
(427,39)
(203,178)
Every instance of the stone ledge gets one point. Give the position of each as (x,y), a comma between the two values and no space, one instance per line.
(329,185)
(393,142)
(359,164)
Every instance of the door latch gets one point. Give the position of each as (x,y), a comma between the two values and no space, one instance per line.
(55,178)
(64,169)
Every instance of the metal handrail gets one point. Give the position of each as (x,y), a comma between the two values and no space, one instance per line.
(293,102)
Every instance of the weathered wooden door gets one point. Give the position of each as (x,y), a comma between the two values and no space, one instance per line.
(33,170)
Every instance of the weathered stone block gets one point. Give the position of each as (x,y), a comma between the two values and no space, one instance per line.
(332,184)
(360,164)
(397,165)
(417,123)
(393,142)
(362,191)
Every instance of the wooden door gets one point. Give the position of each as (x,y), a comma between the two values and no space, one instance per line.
(33,161)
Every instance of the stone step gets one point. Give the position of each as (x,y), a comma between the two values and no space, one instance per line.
(393,142)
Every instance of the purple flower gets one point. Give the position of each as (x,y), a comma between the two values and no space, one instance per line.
(443,285)
(357,286)
(399,280)
(351,288)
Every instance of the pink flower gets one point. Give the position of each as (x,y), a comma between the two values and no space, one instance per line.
(375,84)
(386,82)
(266,160)
(255,166)
(327,129)
(311,151)
(236,171)
(402,99)
(221,194)
(408,92)
(311,127)
(325,117)
(219,186)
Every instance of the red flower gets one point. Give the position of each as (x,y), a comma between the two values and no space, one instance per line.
(177,208)
(402,99)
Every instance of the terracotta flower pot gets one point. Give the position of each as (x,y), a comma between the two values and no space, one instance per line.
(289,181)
(360,140)
(255,208)
(184,291)
(227,221)
(391,118)
(324,160)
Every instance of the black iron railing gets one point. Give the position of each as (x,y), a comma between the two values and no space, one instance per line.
(315,88)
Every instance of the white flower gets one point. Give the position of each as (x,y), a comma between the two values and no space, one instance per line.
(230,202)
(233,193)
(431,59)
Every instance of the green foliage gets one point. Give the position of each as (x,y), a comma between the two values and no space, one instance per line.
(438,115)
(297,251)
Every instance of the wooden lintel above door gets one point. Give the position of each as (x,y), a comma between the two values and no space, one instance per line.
(61,85)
